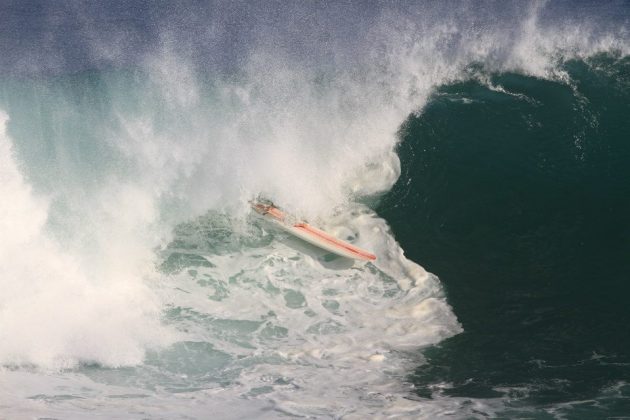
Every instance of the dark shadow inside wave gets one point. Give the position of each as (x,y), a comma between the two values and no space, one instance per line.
(517,195)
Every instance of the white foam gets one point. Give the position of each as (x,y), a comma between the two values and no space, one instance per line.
(55,312)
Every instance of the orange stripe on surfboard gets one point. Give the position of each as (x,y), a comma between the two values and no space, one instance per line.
(335,241)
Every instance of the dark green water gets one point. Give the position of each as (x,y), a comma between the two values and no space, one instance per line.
(520,203)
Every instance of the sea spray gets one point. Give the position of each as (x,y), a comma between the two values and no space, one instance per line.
(54,311)
(133,156)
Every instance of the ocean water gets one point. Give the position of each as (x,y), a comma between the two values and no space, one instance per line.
(480,151)
(520,190)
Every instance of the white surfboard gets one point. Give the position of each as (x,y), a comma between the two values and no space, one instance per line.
(311,234)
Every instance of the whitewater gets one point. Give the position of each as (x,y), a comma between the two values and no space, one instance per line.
(135,283)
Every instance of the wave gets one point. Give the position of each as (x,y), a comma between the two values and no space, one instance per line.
(523,182)
(129,164)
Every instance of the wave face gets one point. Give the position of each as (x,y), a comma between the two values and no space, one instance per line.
(135,281)
(524,183)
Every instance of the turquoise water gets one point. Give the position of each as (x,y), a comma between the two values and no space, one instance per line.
(481,153)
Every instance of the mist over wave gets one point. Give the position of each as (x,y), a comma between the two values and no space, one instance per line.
(128,161)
